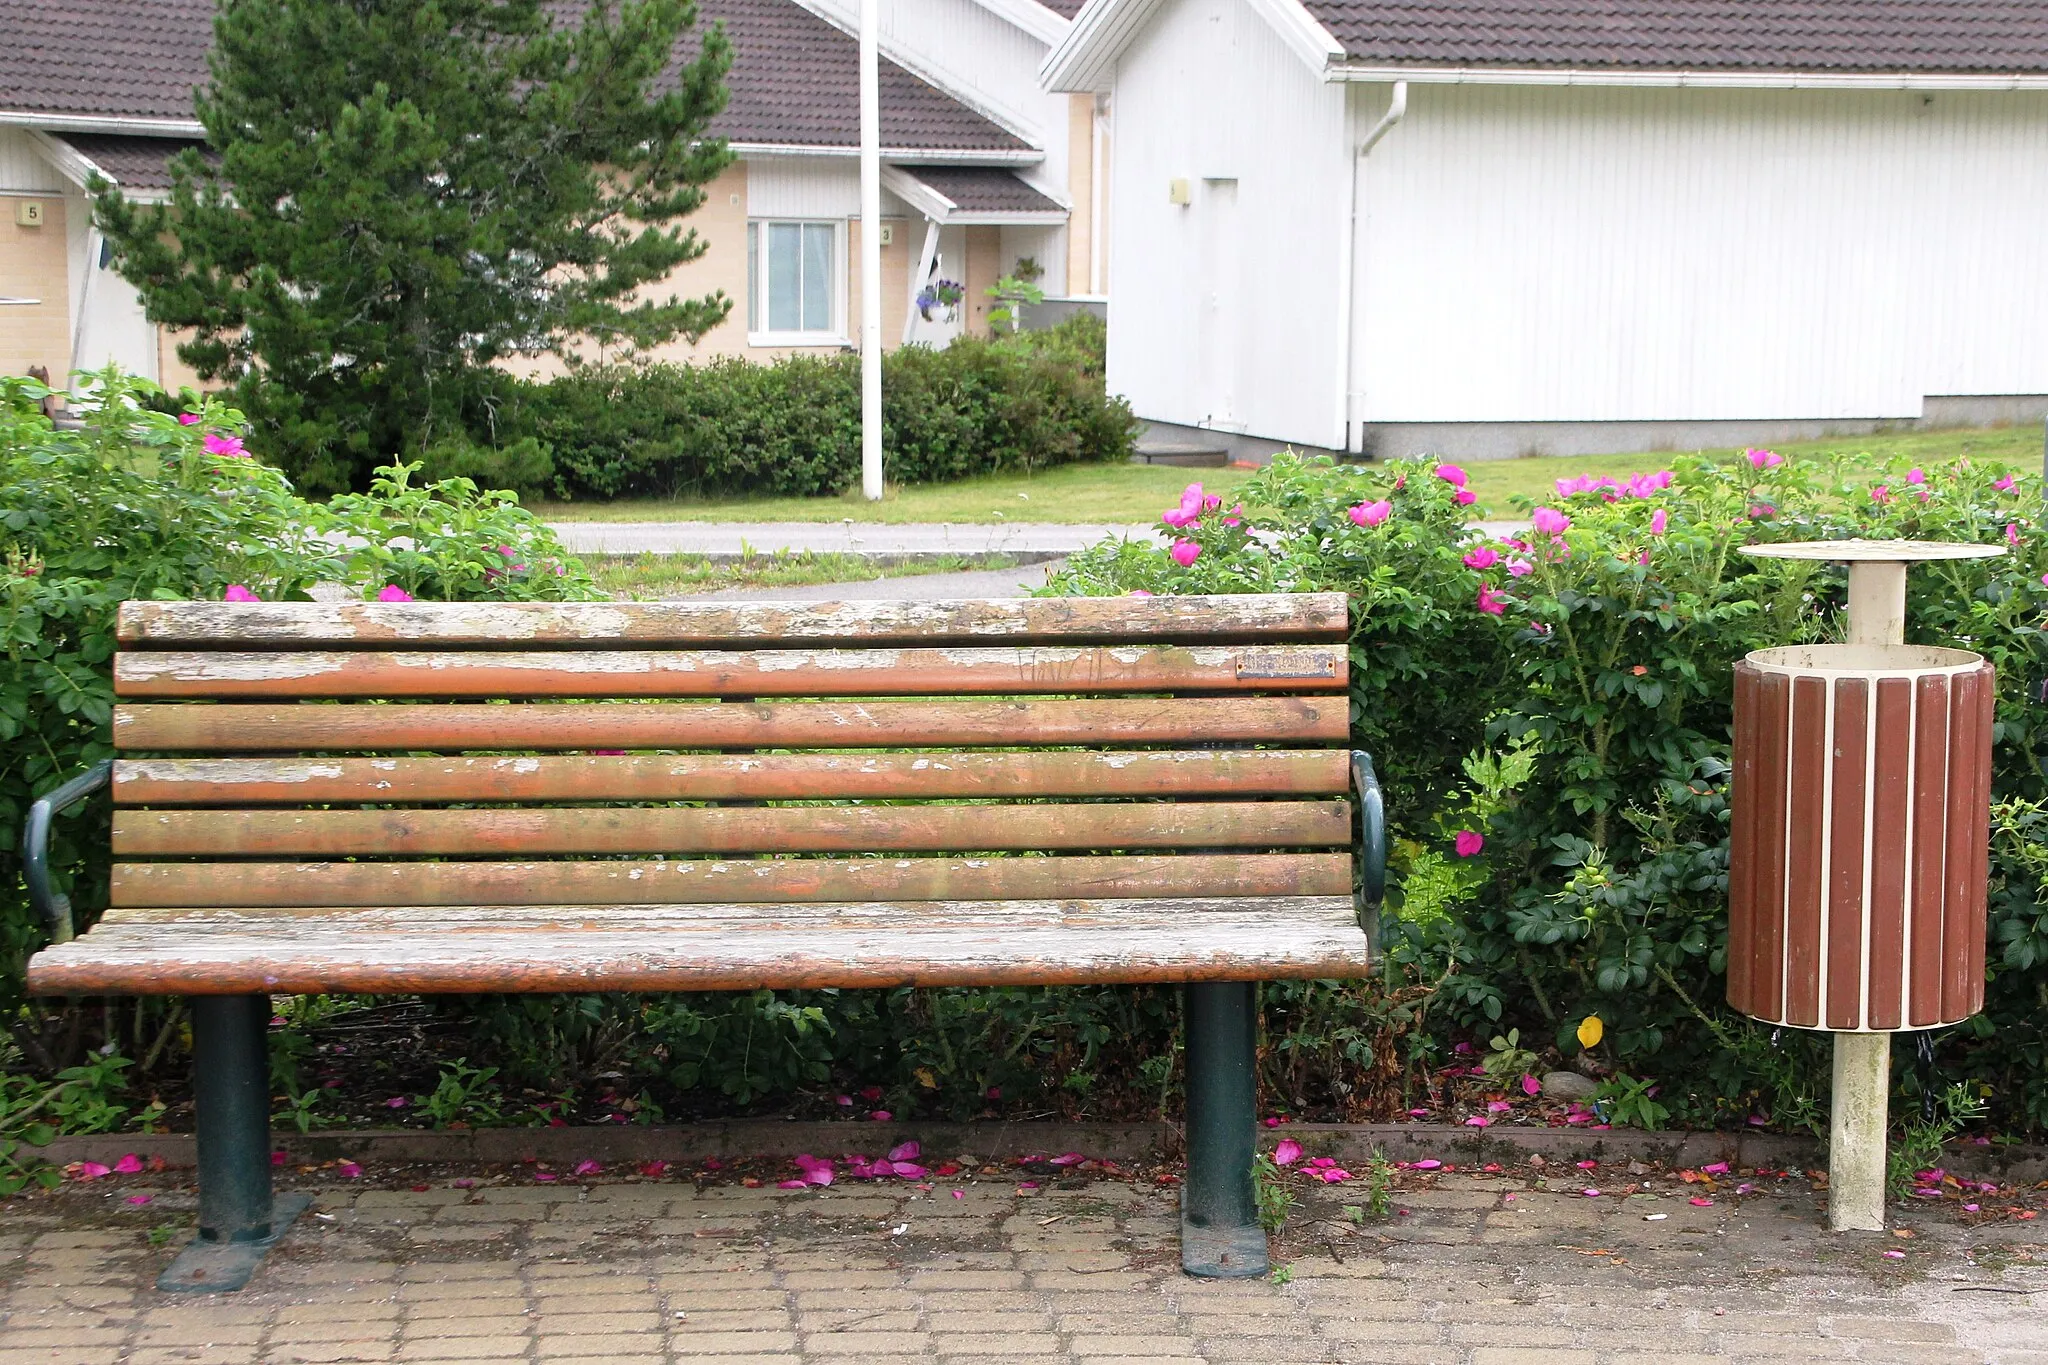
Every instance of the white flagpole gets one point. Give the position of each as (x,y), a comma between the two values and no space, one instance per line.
(870,255)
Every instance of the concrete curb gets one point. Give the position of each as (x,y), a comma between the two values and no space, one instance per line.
(1124,1142)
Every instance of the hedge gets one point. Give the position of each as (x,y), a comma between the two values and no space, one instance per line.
(792,428)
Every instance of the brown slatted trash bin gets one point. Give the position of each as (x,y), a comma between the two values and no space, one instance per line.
(1861,805)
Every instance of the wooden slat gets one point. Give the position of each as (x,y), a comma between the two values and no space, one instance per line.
(791,725)
(728,673)
(140,889)
(729,777)
(726,829)
(569,949)
(1279,616)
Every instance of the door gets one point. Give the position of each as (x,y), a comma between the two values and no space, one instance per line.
(1220,305)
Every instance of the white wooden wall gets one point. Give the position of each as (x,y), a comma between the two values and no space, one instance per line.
(23,167)
(1550,254)
(803,187)
(1203,310)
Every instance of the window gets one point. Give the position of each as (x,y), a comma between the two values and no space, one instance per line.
(793,281)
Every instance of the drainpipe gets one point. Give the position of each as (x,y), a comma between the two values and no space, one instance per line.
(1397,109)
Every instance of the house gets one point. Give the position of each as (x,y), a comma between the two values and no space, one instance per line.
(982,168)
(1494,227)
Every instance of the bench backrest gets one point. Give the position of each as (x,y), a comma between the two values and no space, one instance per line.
(530,754)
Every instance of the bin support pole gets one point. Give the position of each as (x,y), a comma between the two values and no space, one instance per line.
(1857,1121)
(1859,1108)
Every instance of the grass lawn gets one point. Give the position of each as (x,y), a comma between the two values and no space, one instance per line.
(1124,493)
(1128,493)
(649,576)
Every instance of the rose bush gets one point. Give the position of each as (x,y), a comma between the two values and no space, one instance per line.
(1551,712)
(141,503)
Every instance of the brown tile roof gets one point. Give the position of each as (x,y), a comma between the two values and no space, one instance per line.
(794,77)
(1919,36)
(105,58)
(795,80)
(984,189)
(134,163)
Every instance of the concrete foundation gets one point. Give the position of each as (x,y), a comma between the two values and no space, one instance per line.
(1515,440)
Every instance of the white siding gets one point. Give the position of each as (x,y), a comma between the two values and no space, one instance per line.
(1207,92)
(23,167)
(1547,254)
(803,187)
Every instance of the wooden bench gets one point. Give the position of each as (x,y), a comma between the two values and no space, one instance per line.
(450,797)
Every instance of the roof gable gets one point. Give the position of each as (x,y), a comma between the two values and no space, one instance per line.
(1732,42)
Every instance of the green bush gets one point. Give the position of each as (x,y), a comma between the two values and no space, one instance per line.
(1566,700)
(792,428)
(141,503)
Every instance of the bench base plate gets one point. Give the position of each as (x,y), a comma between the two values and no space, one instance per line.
(222,1267)
(1223,1253)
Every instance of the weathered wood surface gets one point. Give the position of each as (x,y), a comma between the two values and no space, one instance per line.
(727,829)
(686,624)
(142,890)
(729,777)
(569,949)
(915,672)
(238,728)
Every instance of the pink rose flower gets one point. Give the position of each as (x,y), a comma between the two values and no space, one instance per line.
(1549,521)
(1137,592)
(1763,459)
(237,593)
(1192,504)
(1519,568)
(228,446)
(1185,552)
(2012,533)
(1464,497)
(1659,521)
(188,419)
(1469,842)
(2005,485)
(391,592)
(1451,474)
(1916,475)
(1371,513)
(1491,602)
(1483,557)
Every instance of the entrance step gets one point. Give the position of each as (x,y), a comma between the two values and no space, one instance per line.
(1189,456)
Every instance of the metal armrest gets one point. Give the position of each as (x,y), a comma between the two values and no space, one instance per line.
(1372,846)
(35,846)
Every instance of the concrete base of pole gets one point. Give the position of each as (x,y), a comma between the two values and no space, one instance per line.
(1856,1131)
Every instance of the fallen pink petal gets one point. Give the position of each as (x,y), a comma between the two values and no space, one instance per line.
(1531,1086)
(1287,1153)
(352,1171)
(128,1164)
(587,1168)
(142,1199)
(907,1151)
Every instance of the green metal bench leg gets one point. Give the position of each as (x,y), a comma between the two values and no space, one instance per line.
(1220,1235)
(238,1219)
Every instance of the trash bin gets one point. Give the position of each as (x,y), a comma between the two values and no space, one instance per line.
(1857,861)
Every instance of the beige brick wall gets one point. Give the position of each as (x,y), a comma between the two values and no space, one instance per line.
(896,267)
(985,265)
(33,264)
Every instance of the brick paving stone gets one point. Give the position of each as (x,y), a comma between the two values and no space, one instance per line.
(1529,1355)
(1889,1329)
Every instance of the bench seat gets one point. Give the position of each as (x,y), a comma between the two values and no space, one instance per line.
(436,949)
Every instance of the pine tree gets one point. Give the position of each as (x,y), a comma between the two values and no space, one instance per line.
(398,197)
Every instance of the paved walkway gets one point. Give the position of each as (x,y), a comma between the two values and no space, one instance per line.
(1513,1269)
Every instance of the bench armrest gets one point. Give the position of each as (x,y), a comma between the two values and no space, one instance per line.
(35,846)
(1372,846)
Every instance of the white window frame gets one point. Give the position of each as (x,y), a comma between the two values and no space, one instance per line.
(757,286)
